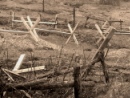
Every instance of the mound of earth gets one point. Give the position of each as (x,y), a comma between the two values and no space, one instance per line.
(118,90)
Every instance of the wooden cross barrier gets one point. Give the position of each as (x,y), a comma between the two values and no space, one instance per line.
(31,28)
(13,20)
(99,56)
(72,34)
(103,34)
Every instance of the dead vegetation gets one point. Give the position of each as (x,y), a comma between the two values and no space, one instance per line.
(90,61)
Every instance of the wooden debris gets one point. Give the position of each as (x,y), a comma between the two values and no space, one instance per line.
(17,75)
(29,69)
(19,62)
(46,86)
(10,77)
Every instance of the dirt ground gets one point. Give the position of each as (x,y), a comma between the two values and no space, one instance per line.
(16,44)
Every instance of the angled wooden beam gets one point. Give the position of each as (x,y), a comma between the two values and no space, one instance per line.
(105,42)
(29,69)
(33,26)
(105,23)
(11,72)
(19,62)
(10,77)
(100,31)
(29,29)
(99,54)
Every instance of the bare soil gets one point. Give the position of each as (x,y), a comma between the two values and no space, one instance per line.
(15,44)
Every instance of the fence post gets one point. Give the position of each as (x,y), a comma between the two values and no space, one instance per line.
(12,19)
(43,4)
(76,82)
(74,17)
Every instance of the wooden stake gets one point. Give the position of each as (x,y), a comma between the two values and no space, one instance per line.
(56,22)
(12,23)
(43,5)
(74,17)
(76,82)
(104,67)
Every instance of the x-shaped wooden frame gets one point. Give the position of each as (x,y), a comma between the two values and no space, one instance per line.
(72,34)
(102,34)
(31,27)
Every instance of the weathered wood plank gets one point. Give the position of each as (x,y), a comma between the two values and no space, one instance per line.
(105,42)
(19,62)
(29,69)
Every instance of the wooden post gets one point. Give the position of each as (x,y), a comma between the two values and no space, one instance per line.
(12,18)
(76,82)
(56,22)
(120,24)
(74,17)
(43,4)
